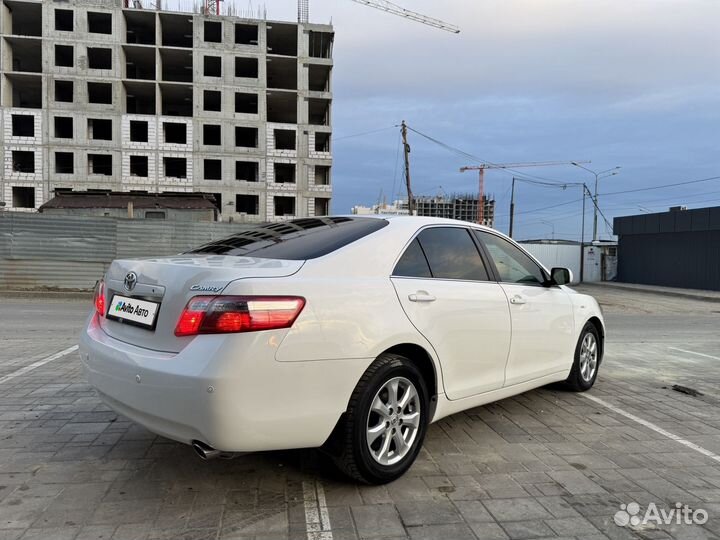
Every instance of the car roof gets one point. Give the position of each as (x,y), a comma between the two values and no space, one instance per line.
(403,223)
(418,221)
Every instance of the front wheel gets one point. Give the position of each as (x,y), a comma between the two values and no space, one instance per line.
(385,422)
(587,360)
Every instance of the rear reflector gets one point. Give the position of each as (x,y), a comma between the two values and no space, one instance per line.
(100,298)
(232,314)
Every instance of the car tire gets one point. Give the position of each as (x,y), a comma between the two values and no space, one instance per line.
(376,442)
(588,354)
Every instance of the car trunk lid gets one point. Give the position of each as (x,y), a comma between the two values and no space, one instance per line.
(171,282)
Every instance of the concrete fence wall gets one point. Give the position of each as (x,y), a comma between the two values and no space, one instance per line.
(71,253)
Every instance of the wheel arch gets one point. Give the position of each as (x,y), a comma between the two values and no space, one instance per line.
(419,356)
(422,359)
(597,323)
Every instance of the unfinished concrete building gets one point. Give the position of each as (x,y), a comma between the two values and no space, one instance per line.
(95,96)
(463,207)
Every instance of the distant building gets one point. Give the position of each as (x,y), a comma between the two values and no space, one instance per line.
(462,207)
(397,208)
(175,207)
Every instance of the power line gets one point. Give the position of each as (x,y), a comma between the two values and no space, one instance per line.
(563,186)
(549,182)
(541,209)
(656,202)
(499,167)
(543,184)
(661,187)
(336,139)
(481,160)
(607,223)
(595,204)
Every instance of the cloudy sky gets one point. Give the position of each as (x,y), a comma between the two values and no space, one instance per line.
(631,83)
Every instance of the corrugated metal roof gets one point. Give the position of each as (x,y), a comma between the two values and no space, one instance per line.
(85,199)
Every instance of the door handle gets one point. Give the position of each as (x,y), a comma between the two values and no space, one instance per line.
(421,296)
(517,300)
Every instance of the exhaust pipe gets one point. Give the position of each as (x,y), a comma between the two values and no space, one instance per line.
(205,451)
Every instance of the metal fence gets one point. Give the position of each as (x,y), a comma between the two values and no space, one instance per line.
(598,263)
(70,253)
(553,255)
(679,248)
(39,252)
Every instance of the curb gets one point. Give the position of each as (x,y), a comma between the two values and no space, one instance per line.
(34,293)
(664,292)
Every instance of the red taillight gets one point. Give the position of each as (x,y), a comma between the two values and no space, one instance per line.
(192,316)
(231,314)
(100,298)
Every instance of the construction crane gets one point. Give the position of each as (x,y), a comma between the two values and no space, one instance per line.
(481,180)
(388,7)
(212,7)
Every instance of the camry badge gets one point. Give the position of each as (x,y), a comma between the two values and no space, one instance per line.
(206,288)
(130,281)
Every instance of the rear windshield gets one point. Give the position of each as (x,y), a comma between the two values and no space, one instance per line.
(299,239)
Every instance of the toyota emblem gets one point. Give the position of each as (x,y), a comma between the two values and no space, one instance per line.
(130,281)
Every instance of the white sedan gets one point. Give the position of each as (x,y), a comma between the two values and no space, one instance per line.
(347,333)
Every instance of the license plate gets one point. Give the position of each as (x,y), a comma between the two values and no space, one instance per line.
(133,311)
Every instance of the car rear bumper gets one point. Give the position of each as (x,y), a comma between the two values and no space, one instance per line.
(227,391)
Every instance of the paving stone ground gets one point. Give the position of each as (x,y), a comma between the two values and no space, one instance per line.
(544,464)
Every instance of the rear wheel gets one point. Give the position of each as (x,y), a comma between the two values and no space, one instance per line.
(385,423)
(587,360)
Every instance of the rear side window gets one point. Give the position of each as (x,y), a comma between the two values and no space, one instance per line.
(298,239)
(449,253)
(413,262)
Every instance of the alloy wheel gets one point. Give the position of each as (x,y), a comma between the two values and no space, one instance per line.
(393,421)
(588,357)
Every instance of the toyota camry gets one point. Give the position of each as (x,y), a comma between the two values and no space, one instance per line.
(346,333)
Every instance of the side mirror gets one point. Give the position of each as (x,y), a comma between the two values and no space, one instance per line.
(561,276)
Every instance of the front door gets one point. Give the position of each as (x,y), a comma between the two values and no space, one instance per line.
(445,291)
(543,333)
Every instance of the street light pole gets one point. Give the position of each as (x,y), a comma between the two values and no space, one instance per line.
(598,175)
(582,237)
(595,210)
(552,227)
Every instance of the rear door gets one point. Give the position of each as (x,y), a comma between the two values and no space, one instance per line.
(542,316)
(446,292)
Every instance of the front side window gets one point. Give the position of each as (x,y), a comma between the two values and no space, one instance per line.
(449,253)
(512,264)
